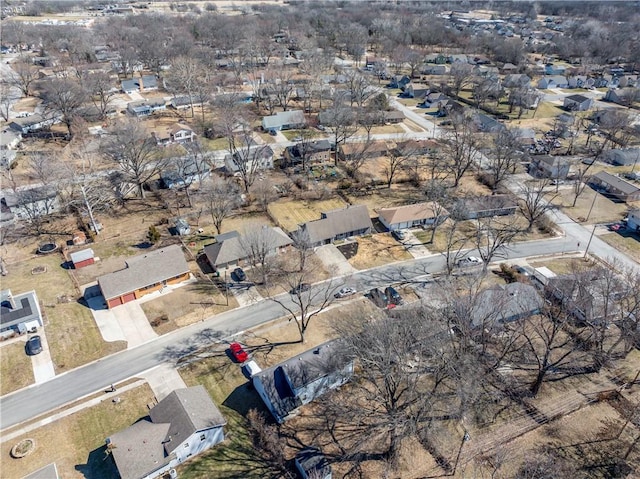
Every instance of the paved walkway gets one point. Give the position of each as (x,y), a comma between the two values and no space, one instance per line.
(334,261)
(163,380)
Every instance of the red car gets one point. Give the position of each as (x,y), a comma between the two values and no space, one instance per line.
(238,352)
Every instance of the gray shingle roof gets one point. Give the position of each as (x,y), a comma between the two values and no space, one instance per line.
(138,450)
(617,183)
(26,309)
(228,248)
(50,471)
(144,270)
(338,222)
(505,303)
(293,117)
(187,410)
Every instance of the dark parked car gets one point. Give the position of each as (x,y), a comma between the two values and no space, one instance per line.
(378,298)
(238,352)
(239,274)
(393,295)
(34,345)
(301,288)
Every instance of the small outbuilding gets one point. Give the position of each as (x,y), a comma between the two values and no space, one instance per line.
(311,463)
(82,258)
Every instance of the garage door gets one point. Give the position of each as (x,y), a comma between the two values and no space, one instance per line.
(128,297)
(115,302)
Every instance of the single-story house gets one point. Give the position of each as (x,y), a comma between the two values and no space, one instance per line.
(19,313)
(516,80)
(188,173)
(9,140)
(577,81)
(416,147)
(505,303)
(554,70)
(299,380)
(399,81)
(448,106)
(525,136)
(82,258)
(145,107)
(7,157)
(410,216)
(338,224)
(182,425)
(633,220)
(257,158)
(314,151)
(486,123)
(373,149)
(553,81)
(144,83)
(144,274)
(623,156)
(31,123)
(311,463)
(31,203)
(393,116)
(184,102)
(577,103)
(230,250)
(616,187)
(546,166)
(286,120)
(486,206)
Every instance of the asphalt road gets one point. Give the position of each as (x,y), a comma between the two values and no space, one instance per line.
(36,400)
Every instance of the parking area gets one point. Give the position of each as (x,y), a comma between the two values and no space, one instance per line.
(333,260)
(414,246)
(43,369)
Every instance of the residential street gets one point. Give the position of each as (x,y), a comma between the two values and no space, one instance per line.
(33,401)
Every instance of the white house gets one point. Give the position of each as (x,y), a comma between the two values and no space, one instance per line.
(409,216)
(285,120)
(19,313)
(182,425)
(577,103)
(633,220)
(255,159)
(299,380)
(31,203)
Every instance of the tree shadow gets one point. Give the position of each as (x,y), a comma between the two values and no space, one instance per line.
(99,465)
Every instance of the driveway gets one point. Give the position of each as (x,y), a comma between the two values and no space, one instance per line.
(122,323)
(42,364)
(334,261)
(163,380)
(414,246)
(245,293)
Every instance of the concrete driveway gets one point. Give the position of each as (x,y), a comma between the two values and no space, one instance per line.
(334,261)
(414,246)
(122,323)
(245,293)
(163,380)
(42,364)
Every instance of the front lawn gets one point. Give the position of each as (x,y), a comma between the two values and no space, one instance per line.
(16,371)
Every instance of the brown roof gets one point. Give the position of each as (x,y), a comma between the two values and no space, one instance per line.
(375,147)
(417,211)
(144,270)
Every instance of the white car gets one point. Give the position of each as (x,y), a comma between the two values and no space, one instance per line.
(469,261)
(344,292)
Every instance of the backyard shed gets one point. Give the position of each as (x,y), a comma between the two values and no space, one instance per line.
(82,258)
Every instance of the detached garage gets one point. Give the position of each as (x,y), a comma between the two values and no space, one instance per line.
(144,274)
(83,258)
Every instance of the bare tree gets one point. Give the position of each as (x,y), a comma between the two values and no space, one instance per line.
(269,446)
(184,76)
(461,75)
(504,156)
(437,193)
(493,236)
(23,75)
(360,88)
(340,120)
(101,91)
(396,159)
(455,243)
(221,198)
(259,243)
(460,147)
(249,159)
(264,193)
(63,98)
(133,149)
(7,97)
(535,201)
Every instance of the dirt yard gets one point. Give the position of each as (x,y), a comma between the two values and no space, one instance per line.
(16,371)
(76,443)
(186,305)
(73,336)
(377,250)
(604,210)
(289,214)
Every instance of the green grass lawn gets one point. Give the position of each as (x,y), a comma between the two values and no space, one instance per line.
(16,371)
